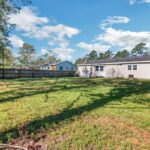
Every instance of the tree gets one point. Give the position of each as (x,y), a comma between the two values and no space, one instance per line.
(8,7)
(26,55)
(92,55)
(122,54)
(80,61)
(107,55)
(48,57)
(6,58)
(39,60)
(9,58)
(101,56)
(139,50)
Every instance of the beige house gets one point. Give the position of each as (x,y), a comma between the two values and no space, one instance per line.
(133,67)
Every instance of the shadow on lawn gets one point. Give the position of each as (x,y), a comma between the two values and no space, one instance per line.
(122,90)
(46,89)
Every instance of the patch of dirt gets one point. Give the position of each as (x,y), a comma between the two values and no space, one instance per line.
(40,140)
(2,86)
(139,136)
(31,143)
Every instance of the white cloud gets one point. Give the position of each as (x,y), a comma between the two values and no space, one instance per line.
(139,1)
(31,25)
(16,41)
(59,34)
(96,46)
(105,39)
(44,51)
(132,2)
(114,20)
(146,1)
(60,53)
(27,20)
(52,31)
(37,27)
(63,53)
(122,38)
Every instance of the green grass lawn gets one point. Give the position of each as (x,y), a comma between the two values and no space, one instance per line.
(75,113)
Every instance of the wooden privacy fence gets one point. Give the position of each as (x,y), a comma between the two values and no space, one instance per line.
(22,73)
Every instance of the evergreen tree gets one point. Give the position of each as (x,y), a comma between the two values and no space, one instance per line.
(139,50)
(122,54)
(92,55)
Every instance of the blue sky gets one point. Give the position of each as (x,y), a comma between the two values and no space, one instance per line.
(72,28)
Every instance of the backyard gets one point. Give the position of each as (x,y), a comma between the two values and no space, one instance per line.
(76,113)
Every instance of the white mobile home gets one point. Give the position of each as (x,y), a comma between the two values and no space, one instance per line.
(135,67)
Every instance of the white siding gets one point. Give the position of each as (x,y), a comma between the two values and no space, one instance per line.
(118,70)
(84,71)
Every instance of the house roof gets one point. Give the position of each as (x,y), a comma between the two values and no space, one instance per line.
(55,63)
(49,64)
(120,60)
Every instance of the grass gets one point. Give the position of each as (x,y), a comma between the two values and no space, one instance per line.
(76,113)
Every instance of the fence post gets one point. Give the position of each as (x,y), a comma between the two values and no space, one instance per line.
(61,75)
(43,73)
(32,73)
(19,73)
(53,74)
(3,73)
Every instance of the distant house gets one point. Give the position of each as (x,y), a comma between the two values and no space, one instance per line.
(61,66)
(131,67)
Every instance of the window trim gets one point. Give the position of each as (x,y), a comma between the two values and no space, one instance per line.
(129,66)
(97,68)
(134,67)
(101,68)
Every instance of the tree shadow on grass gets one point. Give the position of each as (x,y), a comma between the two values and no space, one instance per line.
(21,92)
(119,92)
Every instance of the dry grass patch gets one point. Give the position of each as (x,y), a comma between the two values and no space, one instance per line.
(137,136)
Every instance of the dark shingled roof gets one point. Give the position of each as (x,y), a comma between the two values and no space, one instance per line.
(126,59)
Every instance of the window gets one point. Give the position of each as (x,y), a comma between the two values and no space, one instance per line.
(97,68)
(134,67)
(129,67)
(101,68)
(61,68)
